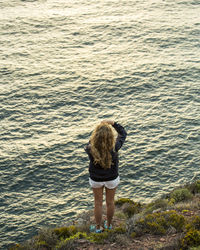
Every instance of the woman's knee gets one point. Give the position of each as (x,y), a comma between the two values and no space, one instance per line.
(110,203)
(98,202)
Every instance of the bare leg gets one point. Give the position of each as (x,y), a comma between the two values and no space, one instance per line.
(98,202)
(110,194)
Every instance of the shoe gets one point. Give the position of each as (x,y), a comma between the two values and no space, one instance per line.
(98,231)
(94,230)
(106,227)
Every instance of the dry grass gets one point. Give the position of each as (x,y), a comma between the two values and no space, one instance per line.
(168,223)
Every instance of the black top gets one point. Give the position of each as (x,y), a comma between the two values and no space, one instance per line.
(97,173)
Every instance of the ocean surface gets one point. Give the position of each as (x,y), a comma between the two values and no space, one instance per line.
(65,66)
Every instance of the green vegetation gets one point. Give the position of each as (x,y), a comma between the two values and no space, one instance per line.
(181,194)
(122,201)
(192,238)
(65,231)
(129,207)
(177,213)
(158,204)
(158,223)
(70,242)
(195,248)
(194,187)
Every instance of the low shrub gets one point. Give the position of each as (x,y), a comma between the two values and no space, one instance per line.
(191,239)
(83,228)
(16,247)
(185,211)
(122,201)
(99,237)
(194,187)
(160,204)
(194,224)
(47,235)
(120,215)
(181,194)
(175,220)
(65,232)
(71,242)
(120,230)
(42,244)
(171,202)
(109,235)
(121,240)
(131,209)
(158,223)
(195,248)
(133,235)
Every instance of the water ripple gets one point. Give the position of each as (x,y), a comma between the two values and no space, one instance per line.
(66,66)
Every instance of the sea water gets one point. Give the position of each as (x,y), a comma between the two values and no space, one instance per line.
(65,66)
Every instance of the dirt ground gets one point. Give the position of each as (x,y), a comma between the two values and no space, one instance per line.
(170,241)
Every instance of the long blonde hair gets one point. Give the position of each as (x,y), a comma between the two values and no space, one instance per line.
(102,142)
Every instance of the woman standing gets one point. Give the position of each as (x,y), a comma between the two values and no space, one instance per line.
(102,150)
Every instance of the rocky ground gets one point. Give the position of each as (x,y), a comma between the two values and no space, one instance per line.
(170,241)
(169,223)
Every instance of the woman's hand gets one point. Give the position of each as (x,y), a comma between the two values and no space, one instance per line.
(108,121)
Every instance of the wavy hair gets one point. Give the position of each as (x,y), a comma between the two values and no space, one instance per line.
(102,142)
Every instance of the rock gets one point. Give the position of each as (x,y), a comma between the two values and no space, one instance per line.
(157,210)
(162,240)
(171,230)
(82,241)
